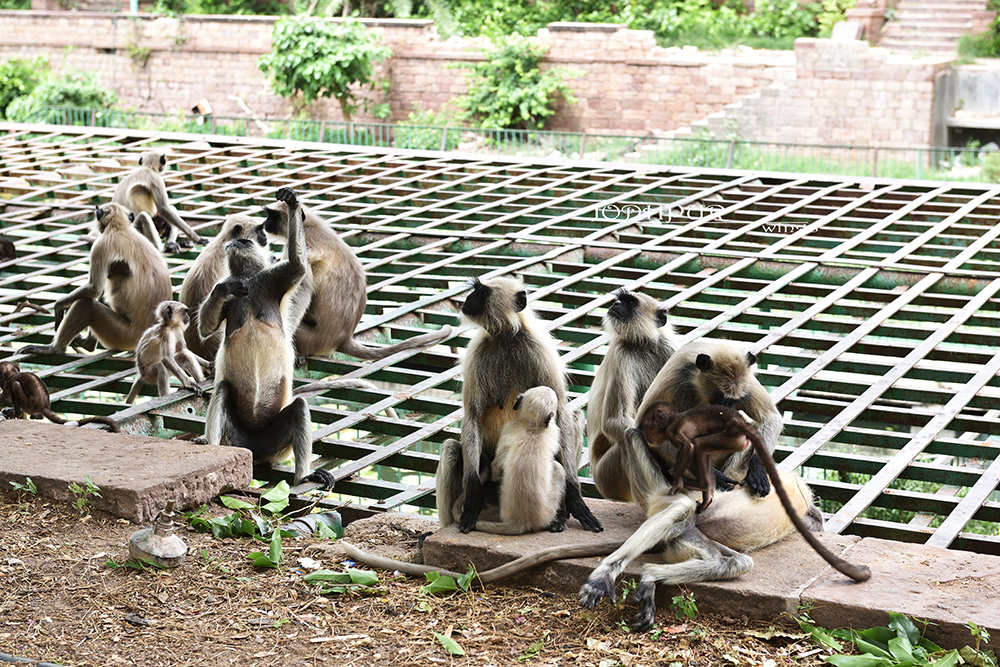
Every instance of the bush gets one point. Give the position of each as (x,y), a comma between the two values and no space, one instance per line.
(18,78)
(508,91)
(424,130)
(73,89)
(781,19)
(314,58)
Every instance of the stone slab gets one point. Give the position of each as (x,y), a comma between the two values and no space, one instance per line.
(948,588)
(136,474)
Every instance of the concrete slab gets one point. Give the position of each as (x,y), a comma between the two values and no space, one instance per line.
(948,588)
(136,474)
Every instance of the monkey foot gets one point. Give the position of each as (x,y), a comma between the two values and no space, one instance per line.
(645,596)
(586,518)
(324,477)
(598,587)
(40,349)
(558,524)
(87,343)
(171,247)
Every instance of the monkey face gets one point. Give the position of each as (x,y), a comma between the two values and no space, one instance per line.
(475,303)
(728,377)
(243,258)
(624,305)
(8,368)
(276,221)
(537,406)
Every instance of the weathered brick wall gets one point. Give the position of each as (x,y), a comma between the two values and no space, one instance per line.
(842,93)
(626,83)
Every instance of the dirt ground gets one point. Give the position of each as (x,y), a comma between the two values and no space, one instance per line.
(60,602)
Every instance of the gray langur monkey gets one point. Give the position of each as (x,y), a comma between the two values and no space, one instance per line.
(128,272)
(252,405)
(717,372)
(329,303)
(641,342)
(142,191)
(161,352)
(510,353)
(532,482)
(209,268)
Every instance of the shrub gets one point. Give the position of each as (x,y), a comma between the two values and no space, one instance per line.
(508,91)
(781,19)
(18,78)
(73,89)
(314,58)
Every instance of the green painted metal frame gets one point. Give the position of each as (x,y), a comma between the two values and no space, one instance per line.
(873,304)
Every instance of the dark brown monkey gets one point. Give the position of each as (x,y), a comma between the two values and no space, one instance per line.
(714,429)
(7,249)
(329,302)
(28,397)
(142,190)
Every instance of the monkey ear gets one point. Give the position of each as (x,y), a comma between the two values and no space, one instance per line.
(751,358)
(131,216)
(548,420)
(237,231)
(520,301)
(168,313)
(517,401)
(98,212)
(703,362)
(661,317)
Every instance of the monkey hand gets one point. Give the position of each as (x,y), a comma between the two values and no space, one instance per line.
(8,413)
(235,287)
(756,479)
(324,477)
(723,482)
(171,247)
(598,587)
(582,513)
(288,196)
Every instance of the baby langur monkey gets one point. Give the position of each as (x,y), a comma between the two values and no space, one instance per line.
(712,429)
(161,351)
(532,482)
(142,191)
(28,397)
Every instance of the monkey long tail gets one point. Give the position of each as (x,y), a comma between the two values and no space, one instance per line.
(342,383)
(356,348)
(510,569)
(848,569)
(108,421)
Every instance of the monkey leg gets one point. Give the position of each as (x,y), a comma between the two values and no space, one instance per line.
(111,329)
(685,450)
(448,481)
(192,364)
(704,560)
(134,391)
(663,527)
(611,474)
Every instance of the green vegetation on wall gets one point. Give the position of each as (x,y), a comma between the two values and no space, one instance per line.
(26,86)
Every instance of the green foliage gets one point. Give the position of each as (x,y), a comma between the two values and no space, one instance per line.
(831,12)
(15,4)
(684,605)
(991,167)
(18,78)
(314,58)
(424,130)
(72,89)
(273,557)
(449,644)
(81,494)
(508,90)
(141,564)
(783,19)
(336,583)
(27,487)
(242,7)
(442,583)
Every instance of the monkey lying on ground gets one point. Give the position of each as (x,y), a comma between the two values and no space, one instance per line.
(710,429)
(252,404)
(161,351)
(209,268)
(641,342)
(532,482)
(329,303)
(510,353)
(29,397)
(142,191)
(128,271)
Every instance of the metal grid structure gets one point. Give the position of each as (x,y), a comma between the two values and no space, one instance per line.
(872,304)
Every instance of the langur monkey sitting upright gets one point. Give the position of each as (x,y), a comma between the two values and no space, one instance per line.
(509,354)
(128,271)
(142,191)
(161,352)
(329,303)
(641,342)
(209,268)
(252,404)
(532,482)
(28,397)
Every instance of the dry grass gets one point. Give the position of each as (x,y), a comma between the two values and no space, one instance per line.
(60,602)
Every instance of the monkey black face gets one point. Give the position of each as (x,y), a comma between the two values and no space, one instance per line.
(275,221)
(624,305)
(475,303)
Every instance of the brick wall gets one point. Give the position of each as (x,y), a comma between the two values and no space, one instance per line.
(625,83)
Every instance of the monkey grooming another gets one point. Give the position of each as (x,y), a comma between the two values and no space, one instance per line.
(161,351)
(252,404)
(532,482)
(28,397)
(209,268)
(706,430)
(142,191)
(128,271)
(329,303)
(641,342)
(509,354)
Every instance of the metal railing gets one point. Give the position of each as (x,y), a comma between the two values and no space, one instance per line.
(949,164)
